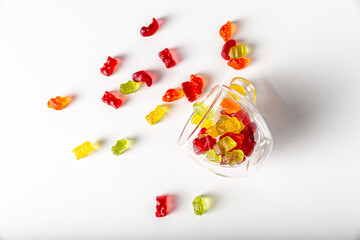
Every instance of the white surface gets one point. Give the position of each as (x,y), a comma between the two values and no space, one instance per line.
(305,68)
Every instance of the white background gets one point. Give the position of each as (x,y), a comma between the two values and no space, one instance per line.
(306,70)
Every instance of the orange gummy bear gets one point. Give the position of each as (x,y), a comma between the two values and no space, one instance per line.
(225,31)
(238,63)
(230,106)
(58,103)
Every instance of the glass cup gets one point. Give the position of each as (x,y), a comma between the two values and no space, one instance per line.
(242,92)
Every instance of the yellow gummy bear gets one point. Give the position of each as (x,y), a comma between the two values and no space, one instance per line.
(83,150)
(212,131)
(207,123)
(154,116)
(196,119)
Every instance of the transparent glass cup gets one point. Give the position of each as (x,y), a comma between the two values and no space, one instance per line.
(242,92)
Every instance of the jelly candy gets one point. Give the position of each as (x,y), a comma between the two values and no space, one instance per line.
(196,119)
(249,143)
(238,63)
(166,57)
(58,103)
(228,124)
(230,106)
(189,90)
(120,147)
(198,82)
(201,145)
(150,30)
(154,116)
(220,124)
(143,77)
(233,157)
(237,51)
(200,108)
(241,115)
(212,131)
(83,150)
(202,133)
(173,95)
(212,156)
(226,49)
(207,123)
(161,206)
(238,88)
(129,87)
(224,145)
(111,100)
(109,66)
(225,31)
(238,138)
(199,206)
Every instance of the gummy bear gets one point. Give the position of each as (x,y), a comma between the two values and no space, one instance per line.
(207,123)
(173,95)
(212,131)
(111,100)
(199,206)
(212,156)
(200,108)
(224,145)
(83,150)
(233,157)
(241,115)
(154,116)
(166,57)
(238,63)
(58,103)
(198,82)
(237,137)
(189,90)
(201,145)
(109,66)
(230,106)
(150,30)
(129,87)
(237,51)
(120,147)
(143,77)
(225,31)
(228,124)
(202,132)
(249,143)
(161,206)
(226,49)
(196,119)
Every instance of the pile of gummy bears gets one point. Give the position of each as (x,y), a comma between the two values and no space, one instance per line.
(233,127)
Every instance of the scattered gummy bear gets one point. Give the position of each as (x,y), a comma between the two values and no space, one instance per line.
(154,116)
(58,103)
(161,206)
(109,66)
(238,63)
(199,206)
(129,87)
(189,90)
(173,95)
(143,77)
(167,59)
(237,51)
(83,150)
(198,82)
(226,49)
(150,30)
(226,31)
(111,100)
(120,147)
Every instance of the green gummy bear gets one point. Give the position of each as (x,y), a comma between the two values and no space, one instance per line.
(120,147)
(200,108)
(129,87)
(212,156)
(199,206)
(237,51)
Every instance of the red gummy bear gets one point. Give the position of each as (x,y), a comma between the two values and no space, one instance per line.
(189,89)
(201,145)
(202,132)
(143,77)
(198,82)
(226,49)
(161,206)
(166,57)
(111,100)
(150,30)
(241,115)
(249,140)
(238,138)
(109,66)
